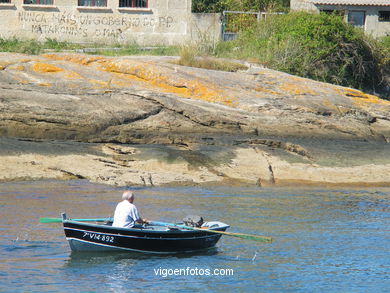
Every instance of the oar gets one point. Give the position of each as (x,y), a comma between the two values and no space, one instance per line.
(239,235)
(58,220)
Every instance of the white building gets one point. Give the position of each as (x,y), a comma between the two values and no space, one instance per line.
(145,22)
(371,15)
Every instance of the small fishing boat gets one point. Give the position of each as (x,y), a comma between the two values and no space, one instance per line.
(155,237)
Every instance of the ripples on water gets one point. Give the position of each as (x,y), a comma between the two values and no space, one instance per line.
(324,240)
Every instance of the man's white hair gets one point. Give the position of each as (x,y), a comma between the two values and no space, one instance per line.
(128,194)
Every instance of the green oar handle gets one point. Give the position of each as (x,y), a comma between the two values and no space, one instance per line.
(59,220)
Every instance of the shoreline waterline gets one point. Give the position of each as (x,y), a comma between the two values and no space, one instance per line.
(311,163)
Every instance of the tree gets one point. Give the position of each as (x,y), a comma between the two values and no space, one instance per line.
(241,5)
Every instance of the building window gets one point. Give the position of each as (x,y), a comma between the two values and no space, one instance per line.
(99,3)
(133,3)
(334,12)
(357,18)
(384,15)
(5,1)
(39,2)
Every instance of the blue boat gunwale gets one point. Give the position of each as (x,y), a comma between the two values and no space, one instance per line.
(140,230)
(145,237)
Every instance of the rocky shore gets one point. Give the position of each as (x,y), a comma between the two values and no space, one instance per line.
(147,121)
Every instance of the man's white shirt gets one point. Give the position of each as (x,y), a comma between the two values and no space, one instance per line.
(126,214)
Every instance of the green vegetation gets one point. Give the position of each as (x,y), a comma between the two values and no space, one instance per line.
(132,49)
(239,5)
(15,45)
(190,56)
(386,41)
(34,47)
(317,46)
(58,46)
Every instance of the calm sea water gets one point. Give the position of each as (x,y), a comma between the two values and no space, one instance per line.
(324,240)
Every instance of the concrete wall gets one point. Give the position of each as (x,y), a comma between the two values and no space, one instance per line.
(302,5)
(206,27)
(164,22)
(372,24)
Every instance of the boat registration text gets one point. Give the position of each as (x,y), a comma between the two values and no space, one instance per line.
(99,237)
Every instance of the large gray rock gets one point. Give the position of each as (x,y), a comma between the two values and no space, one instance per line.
(212,119)
(61,96)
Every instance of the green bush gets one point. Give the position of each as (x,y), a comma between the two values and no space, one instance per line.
(317,46)
(385,42)
(241,5)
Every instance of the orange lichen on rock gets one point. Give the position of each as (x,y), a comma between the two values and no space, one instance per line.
(24,60)
(297,89)
(120,80)
(261,89)
(45,68)
(333,107)
(354,93)
(18,67)
(361,98)
(72,75)
(74,58)
(134,72)
(20,80)
(186,88)
(14,64)
(99,83)
(153,78)
(4,65)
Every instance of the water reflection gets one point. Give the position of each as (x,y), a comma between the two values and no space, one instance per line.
(324,240)
(77,258)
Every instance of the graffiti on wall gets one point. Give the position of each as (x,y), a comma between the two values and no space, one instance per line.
(84,25)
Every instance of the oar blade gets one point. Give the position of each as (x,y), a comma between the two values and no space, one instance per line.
(255,237)
(50,220)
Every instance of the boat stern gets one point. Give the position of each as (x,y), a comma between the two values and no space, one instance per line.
(215,225)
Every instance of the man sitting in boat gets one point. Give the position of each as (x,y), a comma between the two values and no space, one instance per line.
(126,214)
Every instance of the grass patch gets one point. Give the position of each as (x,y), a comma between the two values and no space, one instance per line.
(34,47)
(55,45)
(189,56)
(18,46)
(132,49)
